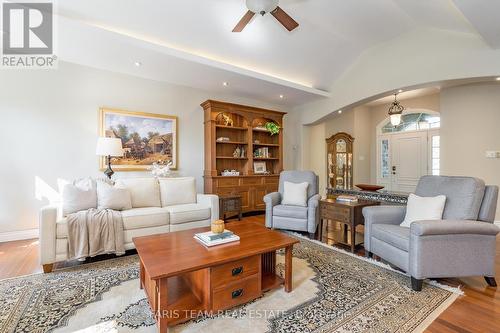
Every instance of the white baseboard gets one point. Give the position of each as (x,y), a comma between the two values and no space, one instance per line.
(18,235)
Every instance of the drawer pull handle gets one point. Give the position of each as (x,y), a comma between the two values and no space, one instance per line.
(237,293)
(237,271)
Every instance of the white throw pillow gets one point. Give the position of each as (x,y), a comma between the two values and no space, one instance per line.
(423,208)
(79,195)
(295,194)
(113,197)
(145,192)
(177,191)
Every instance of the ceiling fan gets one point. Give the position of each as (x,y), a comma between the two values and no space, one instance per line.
(263,7)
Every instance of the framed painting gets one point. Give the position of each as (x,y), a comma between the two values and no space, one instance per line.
(259,167)
(146,138)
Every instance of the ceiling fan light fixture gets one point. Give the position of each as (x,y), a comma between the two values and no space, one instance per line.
(262,6)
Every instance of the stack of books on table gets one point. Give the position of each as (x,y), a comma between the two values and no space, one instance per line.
(211,239)
(347,198)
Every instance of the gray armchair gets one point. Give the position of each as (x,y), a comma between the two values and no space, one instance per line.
(297,218)
(461,244)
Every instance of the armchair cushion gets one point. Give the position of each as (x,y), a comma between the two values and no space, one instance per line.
(295,194)
(453,227)
(423,208)
(296,212)
(392,234)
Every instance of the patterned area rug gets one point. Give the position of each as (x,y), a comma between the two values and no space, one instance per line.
(333,292)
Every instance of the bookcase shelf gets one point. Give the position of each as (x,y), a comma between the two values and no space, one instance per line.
(232,142)
(242,135)
(231,158)
(238,128)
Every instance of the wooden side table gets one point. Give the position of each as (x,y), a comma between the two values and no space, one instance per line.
(348,214)
(230,203)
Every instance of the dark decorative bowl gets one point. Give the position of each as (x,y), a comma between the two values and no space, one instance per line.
(371,188)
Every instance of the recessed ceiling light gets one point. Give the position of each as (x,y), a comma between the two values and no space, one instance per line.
(400,90)
(281,96)
(340,111)
(225,84)
(138,63)
(498,78)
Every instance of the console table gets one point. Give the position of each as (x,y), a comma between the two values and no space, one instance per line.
(347,213)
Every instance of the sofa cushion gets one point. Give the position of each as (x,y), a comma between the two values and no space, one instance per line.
(112,197)
(296,212)
(79,195)
(145,217)
(463,195)
(188,213)
(144,192)
(177,191)
(135,218)
(394,235)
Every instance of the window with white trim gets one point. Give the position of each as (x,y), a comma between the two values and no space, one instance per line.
(414,122)
(435,158)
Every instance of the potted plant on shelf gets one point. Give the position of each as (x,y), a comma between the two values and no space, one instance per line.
(272,128)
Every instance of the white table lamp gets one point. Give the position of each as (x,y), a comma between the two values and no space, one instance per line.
(109,147)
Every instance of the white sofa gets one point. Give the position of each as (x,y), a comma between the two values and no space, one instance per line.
(157,207)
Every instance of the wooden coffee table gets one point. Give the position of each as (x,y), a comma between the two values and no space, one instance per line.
(184,279)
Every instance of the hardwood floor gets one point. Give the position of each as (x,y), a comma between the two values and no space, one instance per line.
(477,311)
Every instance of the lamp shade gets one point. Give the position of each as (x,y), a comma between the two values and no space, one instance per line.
(396,119)
(109,147)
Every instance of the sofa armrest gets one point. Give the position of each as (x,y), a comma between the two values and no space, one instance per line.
(271,200)
(453,227)
(381,215)
(47,234)
(312,213)
(211,200)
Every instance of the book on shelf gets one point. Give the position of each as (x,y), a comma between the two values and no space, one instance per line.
(262,152)
(211,239)
(347,198)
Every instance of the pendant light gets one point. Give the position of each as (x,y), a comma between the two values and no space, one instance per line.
(395,111)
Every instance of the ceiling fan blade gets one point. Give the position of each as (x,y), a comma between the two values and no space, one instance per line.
(244,21)
(285,19)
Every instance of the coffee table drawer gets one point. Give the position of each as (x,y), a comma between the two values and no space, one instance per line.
(237,293)
(234,271)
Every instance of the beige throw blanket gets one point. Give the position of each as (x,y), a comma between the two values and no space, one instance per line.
(95,231)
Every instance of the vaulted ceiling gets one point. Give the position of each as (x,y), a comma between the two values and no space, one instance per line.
(190,42)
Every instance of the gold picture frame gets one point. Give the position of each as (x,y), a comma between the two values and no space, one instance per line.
(259,168)
(146,138)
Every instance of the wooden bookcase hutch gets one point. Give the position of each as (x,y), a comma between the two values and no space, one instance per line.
(247,134)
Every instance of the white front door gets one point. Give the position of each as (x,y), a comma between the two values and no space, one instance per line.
(402,160)
(409,160)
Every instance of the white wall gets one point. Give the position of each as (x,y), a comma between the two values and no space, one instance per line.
(470,116)
(418,57)
(49,125)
